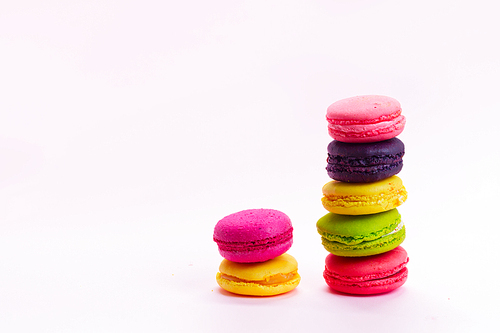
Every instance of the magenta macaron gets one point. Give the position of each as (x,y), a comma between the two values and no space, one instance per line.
(368,118)
(253,235)
(370,275)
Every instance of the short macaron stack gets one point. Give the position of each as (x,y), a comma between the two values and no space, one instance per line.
(363,229)
(253,243)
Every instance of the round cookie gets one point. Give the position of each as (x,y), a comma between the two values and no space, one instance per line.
(272,277)
(253,235)
(363,198)
(361,235)
(364,162)
(368,118)
(367,275)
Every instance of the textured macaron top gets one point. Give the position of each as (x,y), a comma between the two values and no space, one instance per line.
(367,268)
(367,109)
(252,225)
(354,229)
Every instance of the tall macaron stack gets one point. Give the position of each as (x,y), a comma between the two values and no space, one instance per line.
(254,243)
(363,229)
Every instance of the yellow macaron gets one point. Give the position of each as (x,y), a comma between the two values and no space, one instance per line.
(268,278)
(363,198)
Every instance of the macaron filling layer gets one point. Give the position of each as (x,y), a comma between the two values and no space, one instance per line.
(386,117)
(395,278)
(268,281)
(366,248)
(370,164)
(385,200)
(369,277)
(371,129)
(358,239)
(255,245)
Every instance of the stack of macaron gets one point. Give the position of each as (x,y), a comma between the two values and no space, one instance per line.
(363,229)
(253,243)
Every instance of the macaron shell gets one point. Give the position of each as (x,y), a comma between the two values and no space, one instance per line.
(249,276)
(362,269)
(253,235)
(363,109)
(363,198)
(251,254)
(366,174)
(369,132)
(355,229)
(282,264)
(364,162)
(369,248)
(367,275)
(368,287)
(363,150)
(368,118)
(255,289)
(252,225)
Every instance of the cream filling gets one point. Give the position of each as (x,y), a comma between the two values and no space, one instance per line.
(346,201)
(271,280)
(399,227)
(350,241)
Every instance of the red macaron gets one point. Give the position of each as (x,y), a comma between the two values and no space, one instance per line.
(368,275)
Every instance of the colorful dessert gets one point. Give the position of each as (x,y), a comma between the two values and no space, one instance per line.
(369,118)
(272,277)
(361,235)
(367,275)
(364,162)
(253,235)
(363,198)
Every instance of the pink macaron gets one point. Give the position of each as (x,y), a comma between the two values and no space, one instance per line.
(253,235)
(369,275)
(369,118)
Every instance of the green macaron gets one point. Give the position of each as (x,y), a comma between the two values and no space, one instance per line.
(361,235)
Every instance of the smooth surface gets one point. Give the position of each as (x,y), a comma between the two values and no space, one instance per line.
(367,109)
(129,128)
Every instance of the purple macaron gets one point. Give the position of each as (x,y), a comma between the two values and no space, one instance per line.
(365,162)
(253,235)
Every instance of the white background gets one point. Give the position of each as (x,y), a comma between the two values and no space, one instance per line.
(129,128)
